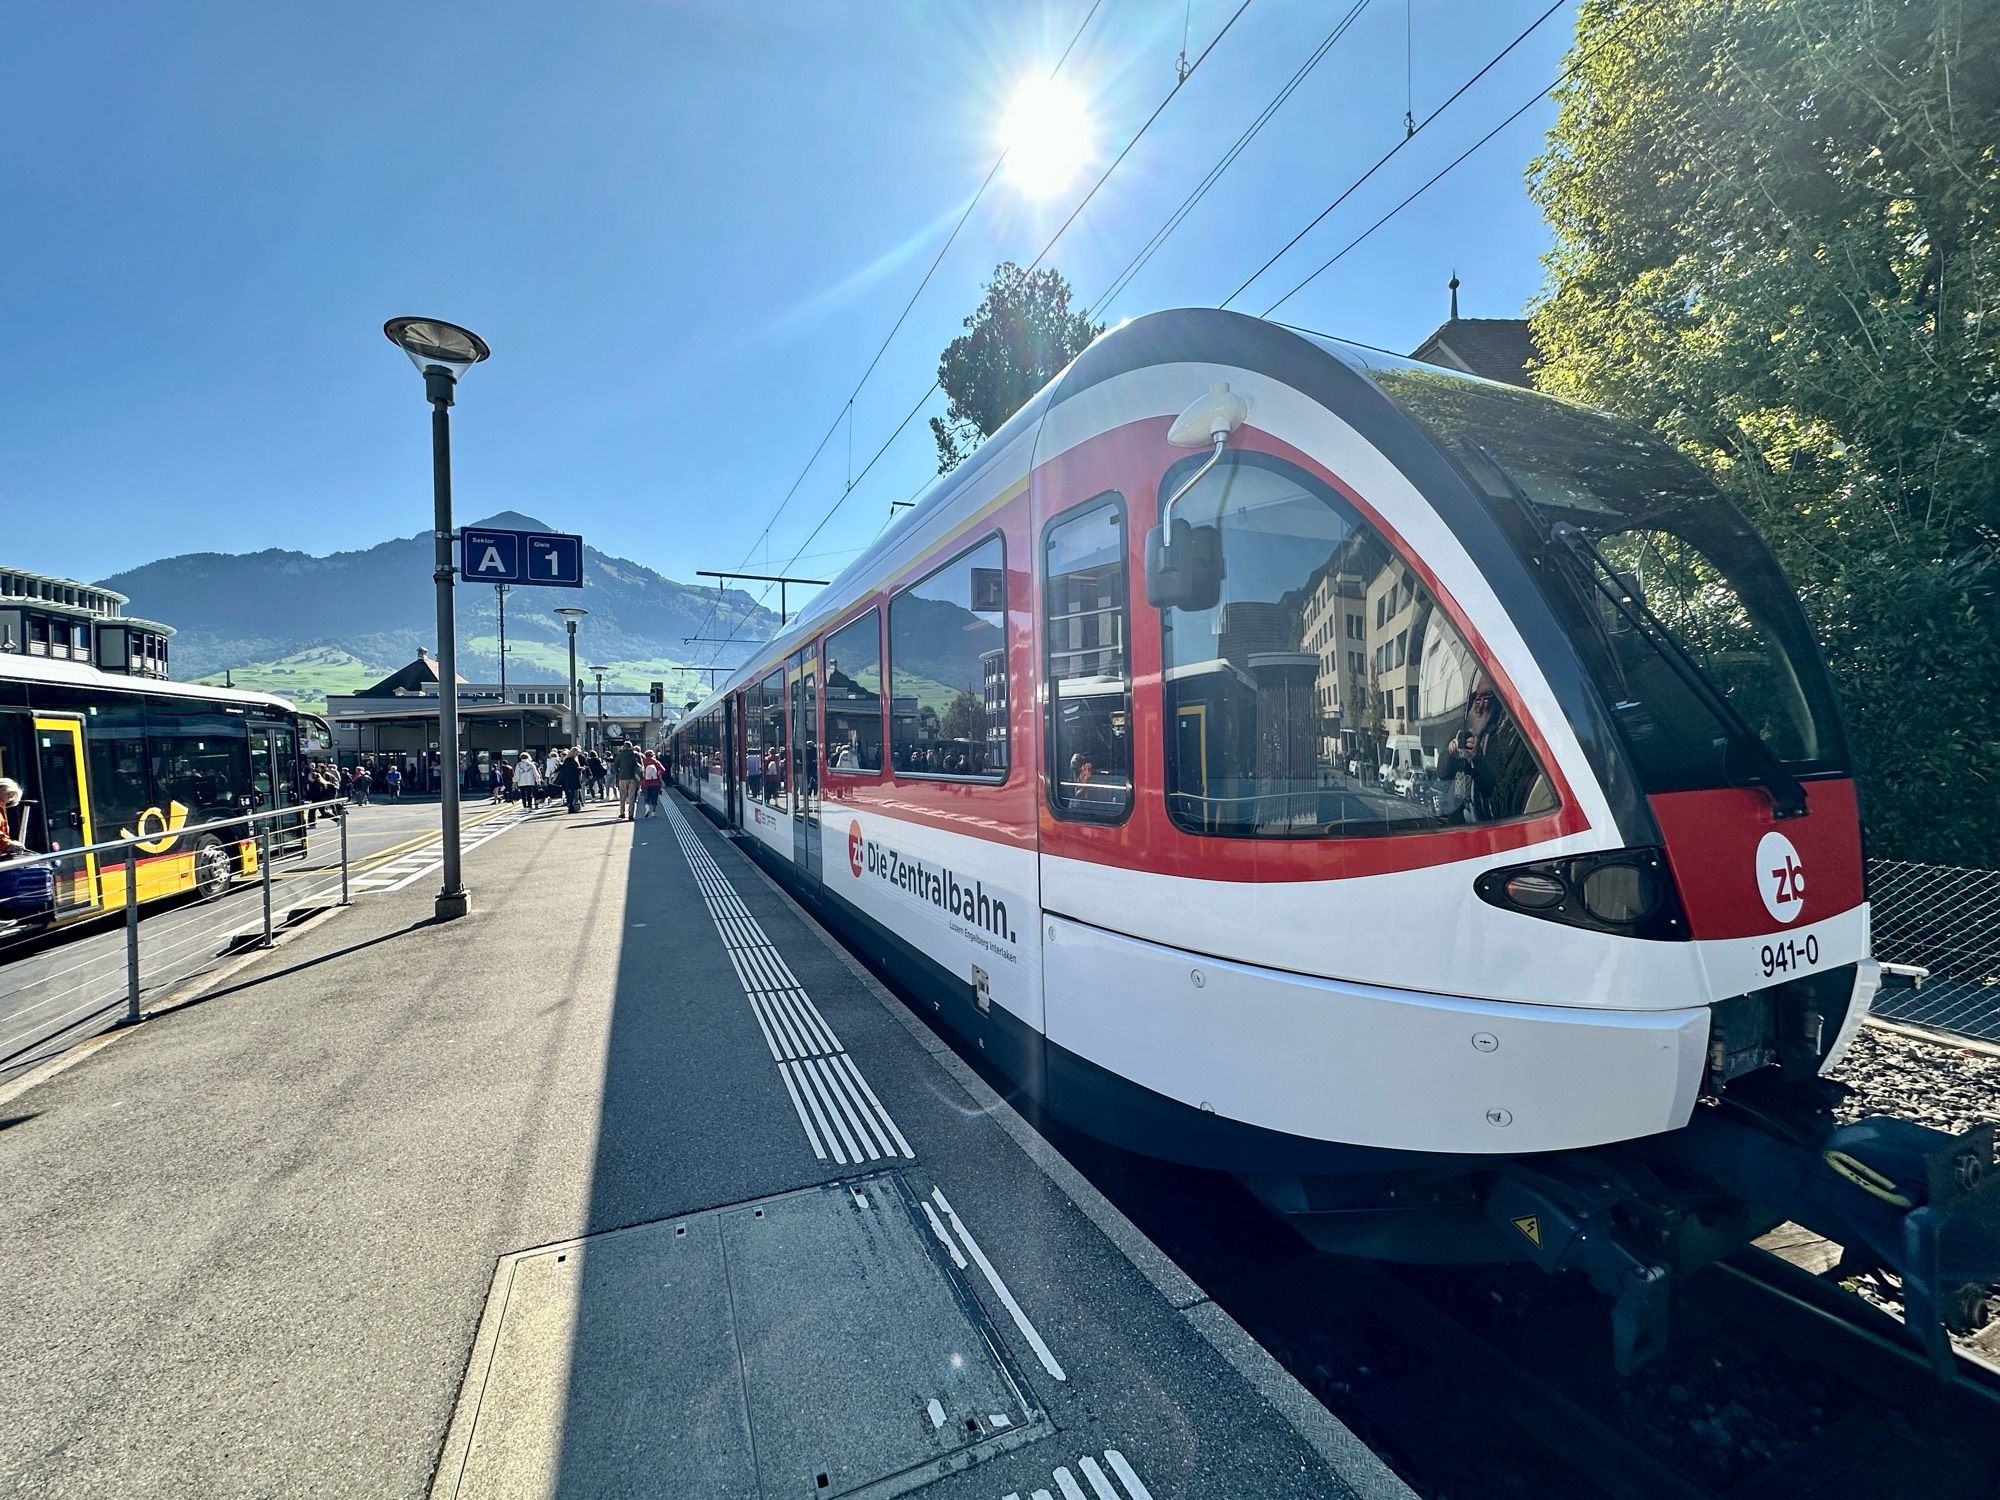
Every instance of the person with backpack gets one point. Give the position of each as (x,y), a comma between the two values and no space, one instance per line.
(569,776)
(527,779)
(625,770)
(652,777)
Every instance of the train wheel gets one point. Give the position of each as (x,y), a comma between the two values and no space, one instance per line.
(214,868)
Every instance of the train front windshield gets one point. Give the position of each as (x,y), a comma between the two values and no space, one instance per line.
(1645,522)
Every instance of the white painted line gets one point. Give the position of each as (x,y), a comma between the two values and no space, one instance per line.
(1099,1485)
(845,1111)
(1066,1482)
(781,1024)
(1028,1330)
(937,1228)
(812,1103)
(829,1114)
(1125,1475)
(811,1135)
(776,1055)
(866,1131)
(887,1118)
(1042,1495)
(936,1409)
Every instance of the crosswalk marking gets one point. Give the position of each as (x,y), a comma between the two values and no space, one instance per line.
(407,869)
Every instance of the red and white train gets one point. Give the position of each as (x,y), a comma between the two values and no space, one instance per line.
(1286,758)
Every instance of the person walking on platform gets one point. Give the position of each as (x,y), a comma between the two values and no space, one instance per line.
(393,778)
(363,782)
(527,780)
(594,774)
(625,770)
(652,777)
(569,776)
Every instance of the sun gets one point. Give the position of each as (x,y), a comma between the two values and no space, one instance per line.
(1047,136)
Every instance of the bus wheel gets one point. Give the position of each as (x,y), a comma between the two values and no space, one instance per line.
(214,868)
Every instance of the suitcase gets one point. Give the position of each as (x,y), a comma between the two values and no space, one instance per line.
(27,892)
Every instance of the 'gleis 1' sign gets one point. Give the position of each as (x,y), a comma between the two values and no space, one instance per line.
(546,559)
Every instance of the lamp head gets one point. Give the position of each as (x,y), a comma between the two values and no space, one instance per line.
(429,342)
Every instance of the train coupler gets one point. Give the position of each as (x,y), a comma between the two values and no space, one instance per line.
(1920,1204)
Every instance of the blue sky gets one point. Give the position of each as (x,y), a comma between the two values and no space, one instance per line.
(683,227)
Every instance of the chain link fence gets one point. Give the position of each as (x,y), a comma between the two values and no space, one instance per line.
(1946,920)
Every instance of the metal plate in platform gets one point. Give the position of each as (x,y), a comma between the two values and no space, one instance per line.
(816,1343)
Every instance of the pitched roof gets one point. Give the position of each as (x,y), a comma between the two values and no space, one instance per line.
(1495,348)
(419,677)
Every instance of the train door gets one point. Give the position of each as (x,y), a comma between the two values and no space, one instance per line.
(732,723)
(64,810)
(805,764)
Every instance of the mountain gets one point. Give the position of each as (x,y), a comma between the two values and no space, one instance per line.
(250,610)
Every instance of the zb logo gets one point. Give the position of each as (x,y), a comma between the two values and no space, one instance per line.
(855,846)
(1781,877)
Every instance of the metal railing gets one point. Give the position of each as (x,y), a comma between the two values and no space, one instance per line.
(1944,919)
(65,975)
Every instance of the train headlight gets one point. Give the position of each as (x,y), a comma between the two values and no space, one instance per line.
(1533,890)
(1620,895)
(1626,892)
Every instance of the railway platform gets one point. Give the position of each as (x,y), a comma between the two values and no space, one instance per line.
(632,1182)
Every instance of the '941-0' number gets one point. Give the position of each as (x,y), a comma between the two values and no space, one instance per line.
(1789,955)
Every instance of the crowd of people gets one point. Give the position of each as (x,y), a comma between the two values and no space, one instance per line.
(633,777)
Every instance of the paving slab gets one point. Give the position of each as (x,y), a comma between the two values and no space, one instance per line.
(397,1173)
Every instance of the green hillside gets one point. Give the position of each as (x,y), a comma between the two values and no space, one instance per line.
(305,677)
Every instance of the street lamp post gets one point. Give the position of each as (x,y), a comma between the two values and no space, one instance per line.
(600,708)
(570,615)
(442,352)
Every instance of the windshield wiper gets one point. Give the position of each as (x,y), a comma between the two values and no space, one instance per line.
(1788,797)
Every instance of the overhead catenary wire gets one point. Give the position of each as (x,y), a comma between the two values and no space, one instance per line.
(1384,159)
(847,409)
(1173,222)
(1450,166)
(1040,256)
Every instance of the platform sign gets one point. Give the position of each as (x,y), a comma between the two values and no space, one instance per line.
(543,559)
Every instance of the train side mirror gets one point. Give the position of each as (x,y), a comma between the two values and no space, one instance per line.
(1183,566)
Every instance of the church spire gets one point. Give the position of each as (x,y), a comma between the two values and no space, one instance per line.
(1453,284)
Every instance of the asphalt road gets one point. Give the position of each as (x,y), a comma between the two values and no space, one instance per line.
(57,989)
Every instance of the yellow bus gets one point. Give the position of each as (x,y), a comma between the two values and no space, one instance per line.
(101,757)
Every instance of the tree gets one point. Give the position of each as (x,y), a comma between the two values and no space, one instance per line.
(1016,341)
(1777,241)
(962,716)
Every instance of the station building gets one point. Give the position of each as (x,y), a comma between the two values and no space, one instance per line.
(64,620)
(397,720)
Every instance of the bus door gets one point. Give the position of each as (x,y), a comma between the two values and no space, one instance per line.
(62,818)
(274,783)
(805,764)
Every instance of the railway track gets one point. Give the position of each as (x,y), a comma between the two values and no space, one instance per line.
(1854,1410)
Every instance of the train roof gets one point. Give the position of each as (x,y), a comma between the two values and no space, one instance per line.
(41,669)
(1203,335)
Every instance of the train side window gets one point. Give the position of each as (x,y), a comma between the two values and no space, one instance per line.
(948,669)
(853,694)
(766,771)
(1270,737)
(1088,663)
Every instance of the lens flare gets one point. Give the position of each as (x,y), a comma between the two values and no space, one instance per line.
(1047,136)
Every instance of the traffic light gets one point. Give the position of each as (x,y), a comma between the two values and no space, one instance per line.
(659,698)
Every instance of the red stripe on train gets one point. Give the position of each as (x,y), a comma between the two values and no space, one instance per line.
(1743,872)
